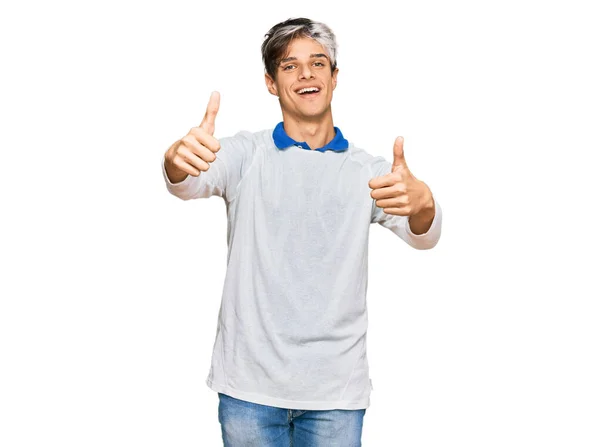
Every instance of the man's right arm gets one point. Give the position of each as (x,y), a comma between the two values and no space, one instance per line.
(192,155)
(174,174)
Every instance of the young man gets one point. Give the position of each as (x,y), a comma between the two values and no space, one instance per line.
(289,362)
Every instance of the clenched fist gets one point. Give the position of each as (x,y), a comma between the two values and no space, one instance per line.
(399,192)
(194,152)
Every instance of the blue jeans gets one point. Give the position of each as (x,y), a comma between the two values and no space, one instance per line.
(245,424)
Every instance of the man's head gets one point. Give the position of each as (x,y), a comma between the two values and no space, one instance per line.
(297,54)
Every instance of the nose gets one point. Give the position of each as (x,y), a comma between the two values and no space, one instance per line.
(306,72)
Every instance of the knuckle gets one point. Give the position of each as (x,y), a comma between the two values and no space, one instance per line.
(210,143)
(185,141)
(200,136)
(179,157)
(196,133)
(179,164)
(203,164)
(173,150)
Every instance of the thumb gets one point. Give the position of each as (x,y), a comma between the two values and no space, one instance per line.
(399,160)
(208,122)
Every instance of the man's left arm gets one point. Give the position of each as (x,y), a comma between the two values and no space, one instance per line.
(405,204)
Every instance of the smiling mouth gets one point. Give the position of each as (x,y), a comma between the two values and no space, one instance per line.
(309,92)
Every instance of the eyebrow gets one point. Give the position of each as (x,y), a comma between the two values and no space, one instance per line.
(287,59)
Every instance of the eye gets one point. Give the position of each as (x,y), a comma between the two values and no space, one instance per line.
(322,64)
(287,66)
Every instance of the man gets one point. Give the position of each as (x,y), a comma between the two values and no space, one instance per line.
(289,362)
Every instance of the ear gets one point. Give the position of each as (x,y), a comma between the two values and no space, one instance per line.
(271,85)
(334,77)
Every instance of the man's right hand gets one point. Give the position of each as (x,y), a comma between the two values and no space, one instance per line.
(194,152)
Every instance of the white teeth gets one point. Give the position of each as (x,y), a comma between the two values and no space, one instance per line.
(308,89)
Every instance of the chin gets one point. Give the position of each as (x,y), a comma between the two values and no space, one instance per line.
(313,115)
(312,110)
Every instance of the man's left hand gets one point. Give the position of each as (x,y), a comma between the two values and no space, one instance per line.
(400,193)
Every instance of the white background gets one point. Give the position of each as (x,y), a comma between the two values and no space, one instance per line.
(110,287)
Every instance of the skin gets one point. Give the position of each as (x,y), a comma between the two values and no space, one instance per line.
(305,119)
(308,119)
(399,193)
(195,152)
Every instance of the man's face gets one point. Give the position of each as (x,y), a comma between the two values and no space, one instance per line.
(305,65)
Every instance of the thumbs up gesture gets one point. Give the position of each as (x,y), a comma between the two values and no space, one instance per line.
(400,193)
(194,152)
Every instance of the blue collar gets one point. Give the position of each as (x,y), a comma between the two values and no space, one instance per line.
(282,140)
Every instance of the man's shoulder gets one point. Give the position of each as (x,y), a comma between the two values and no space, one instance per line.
(366,158)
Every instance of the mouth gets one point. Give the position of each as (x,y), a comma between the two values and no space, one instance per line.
(308,92)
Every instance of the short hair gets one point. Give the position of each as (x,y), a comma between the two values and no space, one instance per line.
(280,36)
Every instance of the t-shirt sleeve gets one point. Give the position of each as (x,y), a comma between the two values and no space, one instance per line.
(399,224)
(224,174)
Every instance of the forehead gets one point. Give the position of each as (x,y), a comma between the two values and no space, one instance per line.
(303,47)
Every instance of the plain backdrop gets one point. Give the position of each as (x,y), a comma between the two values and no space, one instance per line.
(110,286)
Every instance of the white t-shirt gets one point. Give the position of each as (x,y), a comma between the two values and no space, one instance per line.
(292,325)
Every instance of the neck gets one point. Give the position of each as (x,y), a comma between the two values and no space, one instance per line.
(316,133)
